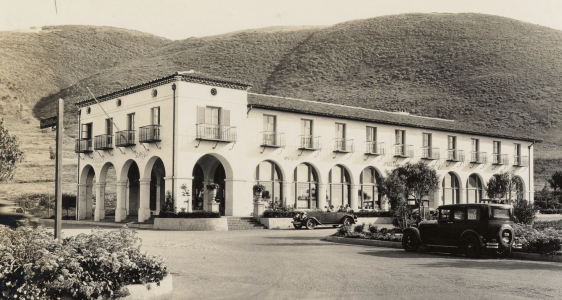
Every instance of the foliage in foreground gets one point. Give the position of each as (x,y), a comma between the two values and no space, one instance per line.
(358,231)
(33,265)
(542,240)
(190,215)
(280,212)
(10,154)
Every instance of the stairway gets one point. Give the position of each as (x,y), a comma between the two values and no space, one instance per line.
(237,223)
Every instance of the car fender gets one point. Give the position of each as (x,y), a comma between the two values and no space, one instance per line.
(353,220)
(472,232)
(313,218)
(415,231)
(499,234)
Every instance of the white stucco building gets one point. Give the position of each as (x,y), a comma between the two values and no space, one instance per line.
(189,128)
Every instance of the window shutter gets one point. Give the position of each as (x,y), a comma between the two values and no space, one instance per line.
(200,114)
(225,117)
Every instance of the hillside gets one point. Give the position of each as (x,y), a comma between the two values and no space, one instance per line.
(490,71)
(36,63)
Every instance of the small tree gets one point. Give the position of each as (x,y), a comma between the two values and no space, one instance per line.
(68,202)
(555,181)
(504,186)
(523,212)
(10,154)
(168,206)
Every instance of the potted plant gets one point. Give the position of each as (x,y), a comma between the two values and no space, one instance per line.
(212,189)
(258,190)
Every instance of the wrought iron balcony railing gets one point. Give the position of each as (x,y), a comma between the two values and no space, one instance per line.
(343,145)
(430,153)
(125,138)
(149,134)
(214,132)
(478,157)
(401,150)
(310,142)
(455,155)
(520,161)
(103,142)
(83,145)
(374,148)
(273,139)
(500,159)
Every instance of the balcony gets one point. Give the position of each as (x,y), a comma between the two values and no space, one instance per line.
(273,139)
(401,150)
(217,133)
(83,146)
(374,148)
(478,157)
(149,134)
(430,153)
(343,145)
(310,142)
(125,138)
(501,159)
(520,161)
(103,142)
(455,155)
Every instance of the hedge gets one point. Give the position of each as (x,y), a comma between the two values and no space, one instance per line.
(280,213)
(373,214)
(545,241)
(550,211)
(190,215)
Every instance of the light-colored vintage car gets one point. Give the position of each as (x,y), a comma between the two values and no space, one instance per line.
(311,219)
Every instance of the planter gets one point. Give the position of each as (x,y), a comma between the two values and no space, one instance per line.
(277,223)
(144,291)
(212,195)
(375,220)
(202,224)
(366,242)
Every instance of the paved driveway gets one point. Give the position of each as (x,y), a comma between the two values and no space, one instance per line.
(297,264)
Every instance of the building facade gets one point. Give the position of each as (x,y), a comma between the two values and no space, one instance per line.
(178,133)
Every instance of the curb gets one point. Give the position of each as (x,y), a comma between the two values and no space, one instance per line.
(49,222)
(536,257)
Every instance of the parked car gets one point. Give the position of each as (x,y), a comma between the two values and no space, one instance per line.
(311,219)
(15,216)
(471,228)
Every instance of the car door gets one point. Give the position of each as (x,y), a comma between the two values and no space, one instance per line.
(459,224)
(445,226)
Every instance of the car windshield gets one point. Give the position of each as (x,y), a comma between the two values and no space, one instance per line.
(501,213)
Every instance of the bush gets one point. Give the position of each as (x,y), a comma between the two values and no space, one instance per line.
(550,211)
(190,215)
(547,241)
(523,212)
(343,231)
(404,217)
(373,228)
(359,228)
(373,214)
(541,225)
(280,213)
(36,266)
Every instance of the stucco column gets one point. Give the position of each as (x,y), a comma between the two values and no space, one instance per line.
(121,205)
(89,202)
(82,201)
(158,191)
(99,213)
(462,195)
(144,205)
(288,200)
(321,195)
(354,195)
(241,192)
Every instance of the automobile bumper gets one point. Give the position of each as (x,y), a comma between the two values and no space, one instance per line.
(492,245)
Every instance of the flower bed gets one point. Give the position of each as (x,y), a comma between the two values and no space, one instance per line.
(373,233)
(540,238)
(33,265)
(198,214)
(279,213)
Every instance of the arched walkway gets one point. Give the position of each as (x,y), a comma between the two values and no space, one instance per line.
(269,174)
(213,168)
(339,187)
(105,193)
(451,189)
(474,188)
(369,197)
(157,186)
(306,188)
(518,188)
(85,193)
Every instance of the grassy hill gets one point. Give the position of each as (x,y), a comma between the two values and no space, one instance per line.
(490,71)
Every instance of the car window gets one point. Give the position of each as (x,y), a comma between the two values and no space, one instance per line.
(473,214)
(458,214)
(500,213)
(444,214)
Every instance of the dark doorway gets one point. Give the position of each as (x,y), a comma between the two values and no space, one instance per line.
(219,177)
(198,188)
(133,175)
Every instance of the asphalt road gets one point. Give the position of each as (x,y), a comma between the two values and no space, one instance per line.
(297,264)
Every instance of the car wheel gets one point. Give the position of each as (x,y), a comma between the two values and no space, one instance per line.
(310,224)
(471,247)
(297,226)
(347,222)
(410,242)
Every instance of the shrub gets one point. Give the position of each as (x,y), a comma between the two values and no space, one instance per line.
(550,211)
(404,217)
(373,214)
(373,228)
(36,266)
(359,228)
(168,206)
(523,212)
(343,231)
(547,241)
(280,213)
(190,215)
(540,225)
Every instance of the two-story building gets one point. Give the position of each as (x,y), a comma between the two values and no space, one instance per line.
(180,132)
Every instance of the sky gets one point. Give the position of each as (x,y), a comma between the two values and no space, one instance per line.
(181,19)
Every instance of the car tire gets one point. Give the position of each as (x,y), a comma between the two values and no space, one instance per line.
(297,226)
(471,247)
(410,242)
(310,224)
(347,222)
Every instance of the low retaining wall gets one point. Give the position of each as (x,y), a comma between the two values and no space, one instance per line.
(202,224)
(149,290)
(365,242)
(375,220)
(277,223)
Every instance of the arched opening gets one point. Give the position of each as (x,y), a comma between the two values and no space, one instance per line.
(219,176)
(339,187)
(198,188)
(212,167)
(133,185)
(474,189)
(108,190)
(87,195)
(269,174)
(305,186)
(157,186)
(369,197)
(518,188)
(451,191)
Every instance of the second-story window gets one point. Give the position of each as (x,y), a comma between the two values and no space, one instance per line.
(155,114)
(212,115)
(87,131)
(517,153)
(400,141)
(131,122)
(109,126)
(426,150)
(340,137)
(269,130)
(371,134)
(497,151)
(306,127)
(452,143)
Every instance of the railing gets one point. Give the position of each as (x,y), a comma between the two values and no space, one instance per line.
(430,153)
(478,157)
(500,159)
(103,142)
(401,150)
(149,134)
(455,155)
(125,138)
(520,161)
(273,139)
(310,142)
(83,145)
(375,148)
(343,145)
(214,132)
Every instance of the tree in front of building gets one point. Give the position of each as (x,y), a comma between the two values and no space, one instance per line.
(10,154)
(506,188)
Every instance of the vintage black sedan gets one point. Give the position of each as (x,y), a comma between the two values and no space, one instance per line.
(311,219)
(471,228)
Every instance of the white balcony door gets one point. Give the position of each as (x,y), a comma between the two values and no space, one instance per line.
(269,129)
(306,127)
